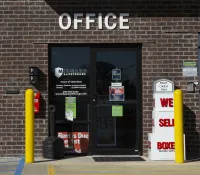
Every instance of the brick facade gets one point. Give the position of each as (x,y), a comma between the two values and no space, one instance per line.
(167,29)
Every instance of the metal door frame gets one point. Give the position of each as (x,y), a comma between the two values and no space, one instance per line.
(138,149)
(92,71)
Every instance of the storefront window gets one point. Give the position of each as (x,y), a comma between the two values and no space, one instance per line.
(70,78)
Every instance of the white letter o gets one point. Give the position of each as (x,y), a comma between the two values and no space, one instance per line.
(69,21)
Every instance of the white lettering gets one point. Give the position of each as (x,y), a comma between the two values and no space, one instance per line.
(69,21)
(110,21)
(77,141)
(107,21)
(79,135)
(100,21)
(122,20)
(88,20)
(63,135)
(76,20)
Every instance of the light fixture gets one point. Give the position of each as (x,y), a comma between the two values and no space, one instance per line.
(34,75)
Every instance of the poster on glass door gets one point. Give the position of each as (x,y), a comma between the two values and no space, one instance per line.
(116,93)
(70,108)
(75,142)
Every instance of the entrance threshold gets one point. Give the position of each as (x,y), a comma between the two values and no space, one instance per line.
(115,152)
(117,158)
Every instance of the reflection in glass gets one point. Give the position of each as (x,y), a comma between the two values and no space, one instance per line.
(71,64)
(106,127)
(121,133)
(123,60)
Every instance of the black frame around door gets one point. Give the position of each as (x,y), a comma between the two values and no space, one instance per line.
(93,129)
(92,69)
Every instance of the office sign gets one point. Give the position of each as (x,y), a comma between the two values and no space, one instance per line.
(121,21)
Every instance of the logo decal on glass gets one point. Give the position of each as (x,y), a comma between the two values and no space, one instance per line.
(58,72)
(69,72)
(116,74)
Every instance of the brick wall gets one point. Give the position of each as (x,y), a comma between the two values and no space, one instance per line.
(167,29)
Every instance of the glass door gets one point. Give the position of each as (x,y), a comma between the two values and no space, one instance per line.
(115,106)
(69,91)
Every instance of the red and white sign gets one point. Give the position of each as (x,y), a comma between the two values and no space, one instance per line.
(162,147)
(161,141)
(116,93)
(163,122)
(164,101)
(77,141)
(116,90)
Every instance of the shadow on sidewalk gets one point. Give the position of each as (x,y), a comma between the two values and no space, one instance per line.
(194,158)
(66,157)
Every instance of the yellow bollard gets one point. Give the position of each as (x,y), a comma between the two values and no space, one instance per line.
(29,126)
(178,126)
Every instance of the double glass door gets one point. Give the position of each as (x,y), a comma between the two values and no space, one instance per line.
(108,97)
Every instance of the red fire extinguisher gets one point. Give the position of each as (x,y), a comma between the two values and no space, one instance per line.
(37,102)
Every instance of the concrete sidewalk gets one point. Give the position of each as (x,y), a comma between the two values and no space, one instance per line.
(86,165)
(8,165)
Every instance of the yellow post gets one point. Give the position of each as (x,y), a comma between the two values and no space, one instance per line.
(29,126)
(178,126)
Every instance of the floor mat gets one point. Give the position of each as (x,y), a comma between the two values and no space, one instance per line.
(117,159)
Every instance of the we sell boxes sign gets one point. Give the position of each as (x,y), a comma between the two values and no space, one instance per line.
(161,140)
(163,122)
(163,102)
(162,147)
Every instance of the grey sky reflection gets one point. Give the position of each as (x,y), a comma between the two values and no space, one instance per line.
(77,57)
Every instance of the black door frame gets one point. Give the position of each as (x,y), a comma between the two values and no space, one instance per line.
(137,149)
(106,46)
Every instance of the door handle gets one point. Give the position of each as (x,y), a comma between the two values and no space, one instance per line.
(96,99)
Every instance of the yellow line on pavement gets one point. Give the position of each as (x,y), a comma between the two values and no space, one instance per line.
(51,170)
(97,174)
(128,168)
(150,173)
(183,164)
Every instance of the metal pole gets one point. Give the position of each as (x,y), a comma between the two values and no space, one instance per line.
(52,110)
(29,126)
(178,126)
